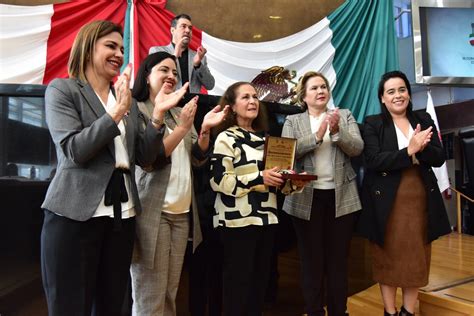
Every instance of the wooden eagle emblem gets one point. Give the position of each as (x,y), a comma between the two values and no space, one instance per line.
(272,85)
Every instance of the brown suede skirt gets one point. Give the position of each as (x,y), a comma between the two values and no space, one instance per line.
(404,260)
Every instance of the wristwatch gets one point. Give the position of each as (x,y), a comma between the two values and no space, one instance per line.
(158,122)
(318,141)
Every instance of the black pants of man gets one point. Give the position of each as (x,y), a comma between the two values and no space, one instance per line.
(246,267)
(85,265)
(323,244)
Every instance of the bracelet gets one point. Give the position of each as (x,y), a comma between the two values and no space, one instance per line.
(318,141)
(204,134)
(158,122)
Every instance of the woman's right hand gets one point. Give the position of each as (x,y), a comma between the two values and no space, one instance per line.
(419,140)
(322,129)
(271,177)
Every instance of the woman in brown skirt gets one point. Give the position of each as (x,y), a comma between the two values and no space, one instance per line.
(403,211)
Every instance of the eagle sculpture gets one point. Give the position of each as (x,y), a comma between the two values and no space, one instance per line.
(272,86)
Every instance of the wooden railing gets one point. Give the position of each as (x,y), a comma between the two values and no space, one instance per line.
(458,206)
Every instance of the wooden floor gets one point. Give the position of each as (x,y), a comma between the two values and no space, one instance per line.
(452,270)
(452,263)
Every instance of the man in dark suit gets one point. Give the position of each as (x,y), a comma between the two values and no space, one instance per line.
(192,65)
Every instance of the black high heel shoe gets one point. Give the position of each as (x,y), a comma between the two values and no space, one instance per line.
(385,313)
(404,312)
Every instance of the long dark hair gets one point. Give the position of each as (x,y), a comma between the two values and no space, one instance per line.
(385,77)
(259,124)
(141,91)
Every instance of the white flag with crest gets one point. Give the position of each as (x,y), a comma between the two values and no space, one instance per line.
(441,172)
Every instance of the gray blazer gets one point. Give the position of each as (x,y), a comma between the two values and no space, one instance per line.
(83,135)
(152,184)
(349,144)
(198,77)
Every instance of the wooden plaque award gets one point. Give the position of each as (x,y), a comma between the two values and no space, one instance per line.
(281,152)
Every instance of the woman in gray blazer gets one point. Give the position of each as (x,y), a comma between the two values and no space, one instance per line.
(166,190)
(323,215)
(91,203)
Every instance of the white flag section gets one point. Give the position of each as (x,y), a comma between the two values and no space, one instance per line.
(441,172)
(309,49)
(24,32)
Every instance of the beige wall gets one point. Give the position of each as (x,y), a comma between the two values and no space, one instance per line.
(243,20)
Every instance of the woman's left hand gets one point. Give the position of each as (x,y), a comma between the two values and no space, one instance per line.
(123,96)
(188,112)
(214,117)
(333,121)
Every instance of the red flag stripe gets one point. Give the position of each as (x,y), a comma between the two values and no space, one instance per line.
(66,21)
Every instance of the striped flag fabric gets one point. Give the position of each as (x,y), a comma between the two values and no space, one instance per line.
(441,172)
(353,46)
(36,40)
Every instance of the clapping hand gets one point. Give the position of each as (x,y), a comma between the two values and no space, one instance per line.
(180,47)
(123,95)
(333,121)
(419,140)
(322,129)
(201,52)
(188,112)
(164,102)
(214,117)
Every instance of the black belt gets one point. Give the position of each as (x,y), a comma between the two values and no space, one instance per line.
(115,194)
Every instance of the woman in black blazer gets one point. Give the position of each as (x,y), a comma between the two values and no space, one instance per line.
(403,210)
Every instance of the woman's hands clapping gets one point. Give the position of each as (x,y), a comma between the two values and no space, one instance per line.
(123,95)
(419,140)
(164,102)
(187,114)
(333,121)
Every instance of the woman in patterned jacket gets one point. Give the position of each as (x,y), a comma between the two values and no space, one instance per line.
(246,201)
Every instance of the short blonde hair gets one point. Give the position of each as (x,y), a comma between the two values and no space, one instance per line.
(82,50)
(301,87)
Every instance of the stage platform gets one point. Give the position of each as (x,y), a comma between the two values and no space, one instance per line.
(450,291)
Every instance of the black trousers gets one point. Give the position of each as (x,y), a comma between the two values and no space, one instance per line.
(205,275)
(85,265)
(323,244)
(246,267)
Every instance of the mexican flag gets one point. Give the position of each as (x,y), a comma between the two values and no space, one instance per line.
(353,46)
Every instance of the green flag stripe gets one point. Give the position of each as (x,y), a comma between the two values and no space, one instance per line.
(366,47)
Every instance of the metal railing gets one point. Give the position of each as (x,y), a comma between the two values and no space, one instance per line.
(458,207)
